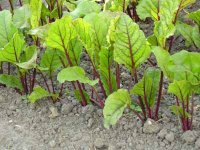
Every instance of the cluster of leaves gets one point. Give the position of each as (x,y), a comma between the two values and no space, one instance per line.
(47,40)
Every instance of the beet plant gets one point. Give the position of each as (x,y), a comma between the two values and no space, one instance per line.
(42,44)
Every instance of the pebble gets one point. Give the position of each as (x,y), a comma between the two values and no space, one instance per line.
(162,133)
(197,143)
(140,147)
(99,143)
(90,122)
(54,112)
(151,127)
(170,137)
(12,108)
(52,143)
(89,109)
(189,137)
(67,108)
(112,147)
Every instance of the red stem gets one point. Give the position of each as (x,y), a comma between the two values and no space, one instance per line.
(118,76)
(159,95)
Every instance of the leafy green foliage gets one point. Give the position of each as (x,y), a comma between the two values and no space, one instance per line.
(21,17)
(36,7)
(116,5)
(10,81)
(131,47)
(195,16)
(85,7)
(60,33)
(75,74)
(37,94)
(148,86)
(190,33)
(7,28)
(12,51)
(114,106)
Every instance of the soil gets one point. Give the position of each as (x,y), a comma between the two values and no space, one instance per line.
(66,125)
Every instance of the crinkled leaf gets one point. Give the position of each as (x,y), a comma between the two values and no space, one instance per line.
(75,74)
(21,16)
(148,86)
(10,81)
(131,47)
(7,29)
(36,7)
(60,33)
(114,106)
(12,51)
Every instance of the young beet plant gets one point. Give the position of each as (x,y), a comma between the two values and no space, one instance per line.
(183,71)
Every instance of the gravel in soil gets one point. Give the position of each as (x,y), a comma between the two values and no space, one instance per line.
(47,126)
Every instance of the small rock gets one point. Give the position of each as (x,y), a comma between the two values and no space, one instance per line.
(151,126)
(88,109)
(140,147)
(54,112)
(67,108)
(197,143)
(99,143)
(112,147)
(33,106)
(90,122)
(162,133)
(12,108)
(52,143)
(189,137)
(99,112)
(170,137)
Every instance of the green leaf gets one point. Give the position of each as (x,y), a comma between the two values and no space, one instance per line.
(190,33)
(195,16)
(60,33)
(106,75)
(40,32)
(12,51)
(180,66)
(131,47)
(114,106)
(7,29)
(31,62)
(85,7)
(182,89)
(148,8)
(10,81)
(177,110)
(148,86)
(75,74)
(51,60)
(37,94)
(162,31)
(36,8)
(116,5)
(21,17)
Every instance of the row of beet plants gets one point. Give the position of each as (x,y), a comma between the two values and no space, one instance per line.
(41,44)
